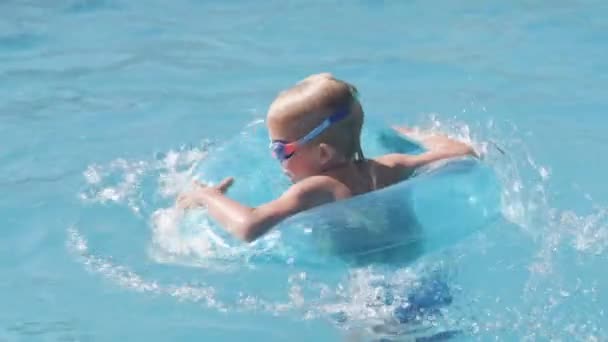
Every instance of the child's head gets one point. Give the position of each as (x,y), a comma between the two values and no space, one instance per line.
(298,111)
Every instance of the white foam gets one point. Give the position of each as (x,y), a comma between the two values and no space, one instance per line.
(172,243)
(124,277)
(590,232)
(118,182)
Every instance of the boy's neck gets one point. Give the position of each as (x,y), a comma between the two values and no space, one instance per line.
(339,164)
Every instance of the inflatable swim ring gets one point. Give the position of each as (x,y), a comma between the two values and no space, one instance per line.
(441,204)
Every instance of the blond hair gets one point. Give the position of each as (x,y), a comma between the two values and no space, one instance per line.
(304,106)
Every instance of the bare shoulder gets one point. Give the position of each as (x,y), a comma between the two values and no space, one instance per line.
(399,162)
(392,160)
(391,168)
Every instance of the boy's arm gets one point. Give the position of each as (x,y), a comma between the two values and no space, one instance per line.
(248,223)
(438,147)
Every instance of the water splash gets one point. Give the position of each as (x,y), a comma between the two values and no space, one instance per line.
(366,298)
(121,181)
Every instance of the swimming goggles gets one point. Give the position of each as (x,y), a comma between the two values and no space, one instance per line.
(283,150)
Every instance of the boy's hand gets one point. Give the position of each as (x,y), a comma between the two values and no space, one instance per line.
(408,132)
(448,145)
(437,142)
(196,197)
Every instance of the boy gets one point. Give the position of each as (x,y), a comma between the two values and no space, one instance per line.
(315,130)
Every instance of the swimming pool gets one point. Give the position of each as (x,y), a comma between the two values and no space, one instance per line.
(105,107)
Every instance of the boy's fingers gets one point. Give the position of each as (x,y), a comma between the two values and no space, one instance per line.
(225,184)
(476,154)
(186,203)
(403,129)
(181,202)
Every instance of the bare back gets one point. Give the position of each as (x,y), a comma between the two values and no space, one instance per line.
(369,175)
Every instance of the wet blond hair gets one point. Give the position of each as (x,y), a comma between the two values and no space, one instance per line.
(304,106)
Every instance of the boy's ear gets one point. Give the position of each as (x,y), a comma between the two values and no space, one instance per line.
(326,152)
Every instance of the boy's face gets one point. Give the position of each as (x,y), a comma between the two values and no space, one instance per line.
(305,161)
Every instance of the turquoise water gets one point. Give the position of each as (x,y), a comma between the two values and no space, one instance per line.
(106,107)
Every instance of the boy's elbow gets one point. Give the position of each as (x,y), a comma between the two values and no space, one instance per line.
(248,235)
(253,226)
(247,231)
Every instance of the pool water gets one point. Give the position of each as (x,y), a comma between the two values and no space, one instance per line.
(107,108)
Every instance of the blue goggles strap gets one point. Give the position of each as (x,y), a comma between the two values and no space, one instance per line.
(341,114)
